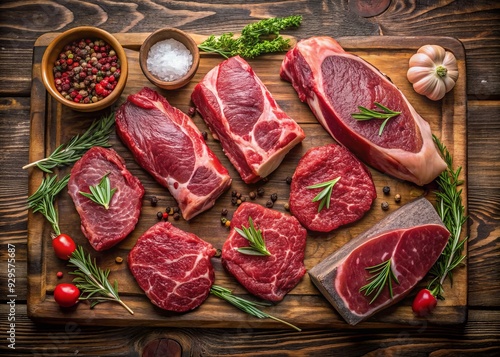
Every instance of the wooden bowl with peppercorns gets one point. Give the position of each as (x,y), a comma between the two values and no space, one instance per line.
(169,58)
(85,69)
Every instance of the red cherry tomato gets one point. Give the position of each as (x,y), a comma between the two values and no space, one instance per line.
(424,303)
(63,246)
(66,295)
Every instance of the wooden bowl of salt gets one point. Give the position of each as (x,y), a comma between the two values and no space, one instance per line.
(169,58)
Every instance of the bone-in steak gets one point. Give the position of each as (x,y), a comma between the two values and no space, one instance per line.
(412,237)
(268,277)
(173,267)
(351,197)
(105,227)
(334,83)
(166,143)
(240,112)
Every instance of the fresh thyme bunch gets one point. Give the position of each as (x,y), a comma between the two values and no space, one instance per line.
(255,39)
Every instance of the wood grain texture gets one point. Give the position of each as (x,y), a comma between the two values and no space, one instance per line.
(474,23)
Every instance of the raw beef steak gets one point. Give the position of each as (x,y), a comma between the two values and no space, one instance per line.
(334,83)
(173,267)
(351,197)
(167,144)
(268,277)
(413,237)
(240,112)
(105,227)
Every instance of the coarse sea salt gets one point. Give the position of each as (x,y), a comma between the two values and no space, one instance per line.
(169,60)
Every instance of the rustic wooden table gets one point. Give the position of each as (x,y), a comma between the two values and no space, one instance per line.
(475,23)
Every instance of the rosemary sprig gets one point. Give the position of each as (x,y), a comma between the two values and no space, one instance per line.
(93,281)
(451,211)
(250,307)
(254,237)
(101,193)
(382,275)
(43,199)
(254,39)
(96,135)
(326,194)
(368,114)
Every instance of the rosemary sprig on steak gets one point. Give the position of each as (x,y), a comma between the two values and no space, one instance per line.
(43,199)
(326,194)
(93,281)
(255,239)
(255,39)
(250,307)
(101,193)
(382,275)
(451,211)
(65,154)
(368,114)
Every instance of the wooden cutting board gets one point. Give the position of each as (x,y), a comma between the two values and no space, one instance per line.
(53,124)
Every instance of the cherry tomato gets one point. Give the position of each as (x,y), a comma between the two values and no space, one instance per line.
(66,295)
(63,246)
(424,303)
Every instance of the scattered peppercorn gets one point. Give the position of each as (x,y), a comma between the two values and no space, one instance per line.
(191,111)
(274,197)
(224,212)
(177,216)
(228,223)
(60,274)
(269,204)
(233,193)
(252,195)
(165,215)
(218,253)
(288,180)
(238,201)
(243,198)
(234,200)
(386,190)
(205,135)
(154,201)
(159,215)
(397,198)
(169,210)
(118,260)
(286,206)
(176,210)
(260,191)
(223,220)
(265,179)
(385,206)
(238,195)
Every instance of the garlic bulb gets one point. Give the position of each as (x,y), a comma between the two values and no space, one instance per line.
(433,71)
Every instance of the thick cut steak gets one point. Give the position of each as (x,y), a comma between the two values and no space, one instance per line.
(173,267)
(268,277)
(167,144)
(352,195)
(334,83)
(413,237)
(240,112)
(105,227)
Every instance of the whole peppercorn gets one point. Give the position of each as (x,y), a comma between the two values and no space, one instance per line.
(234,201)
(269,204)
(260,191)
(397,198)
(288,180)
(191,111)
(154,201)
(224,212)
(118,260)
(238,201)
(223,220)
(274,197)
(228,223)
(238,195)
(165,215)
(252,195)
(176,210)
(177,216)
(286,206)
(60,274)
(159,215)
(205,135)
(385,206)
(233,193)
(386,190)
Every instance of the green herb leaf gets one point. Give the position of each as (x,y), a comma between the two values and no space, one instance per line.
(382,276)
(326,194)
(93,281)
(250,307)
(43,199)
(96,135)
(255,39)
(368,114)
(254,237)
(101,193)
(451,211)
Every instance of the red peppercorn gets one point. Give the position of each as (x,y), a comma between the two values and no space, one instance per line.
(60,274)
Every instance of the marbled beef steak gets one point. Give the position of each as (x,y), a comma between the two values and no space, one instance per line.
(413,237)
(167,144)
(268,277)
(352,195)
(105,227)
(334,83)
(173,267)
(253,130)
